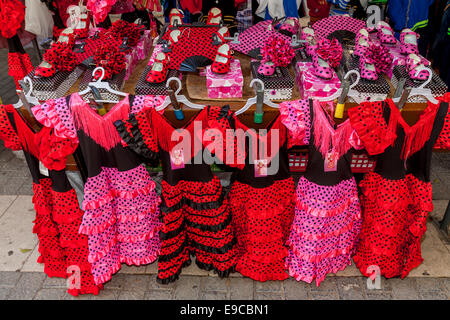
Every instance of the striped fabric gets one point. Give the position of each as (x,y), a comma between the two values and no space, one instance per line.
(343,4)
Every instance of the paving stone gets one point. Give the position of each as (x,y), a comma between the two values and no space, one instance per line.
(134,282)
(131,295)
(214,284)
(50,294)
(214,295)
(4,293)
(378,295)
(350,288)
(241,289)
(272,286)
(267,295)
(155,285)
(428,285)
(296,290)
(27,286)
(9,279)
(158,295)
(323,295)
(404,289)
(187,287)
(68,296)
(328,285)
(55,283)
(445,282)
(117,282)
(107,294)
(133,269)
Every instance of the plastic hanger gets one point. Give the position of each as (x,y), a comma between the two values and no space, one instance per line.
(421,90)
(176,100)
(26,99)
(338,94)
(259,100)
(99,84)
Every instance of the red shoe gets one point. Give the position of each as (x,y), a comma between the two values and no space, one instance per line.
(219,36)
(176,17)
(82,28)
(44,70)
(222,61)
(214,16)
(158,73)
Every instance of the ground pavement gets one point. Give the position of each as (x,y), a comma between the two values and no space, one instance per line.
(21,277)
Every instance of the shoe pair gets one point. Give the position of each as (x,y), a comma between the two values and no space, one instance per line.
(290,26)
(45,68)
(308,35)
(362,44)
(414,64)
(159,70)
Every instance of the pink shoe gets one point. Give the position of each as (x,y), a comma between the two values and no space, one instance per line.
(408,40)
(413,65)
(321,67)
(362,42)
(385,33)
(309,36)
(367,69)
(290,26)
(266,68)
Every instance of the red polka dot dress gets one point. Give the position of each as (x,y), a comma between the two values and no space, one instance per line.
(194,209)
(120,202)
(327,219)
(261,196)
(396,197)
(63,250)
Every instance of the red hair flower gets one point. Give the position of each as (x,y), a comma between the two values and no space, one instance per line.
(380,57)
(278,50)
(330,51)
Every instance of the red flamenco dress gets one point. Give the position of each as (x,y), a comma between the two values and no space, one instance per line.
(64,251)
(12,14)
(261,196)
(194,210)
(397,196)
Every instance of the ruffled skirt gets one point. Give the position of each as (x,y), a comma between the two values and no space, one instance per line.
(325,230)
(262,219)
(196,220)
(63,250)
(120,220)
(395,213)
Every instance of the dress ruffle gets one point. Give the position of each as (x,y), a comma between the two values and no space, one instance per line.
(325,230)
(394,222)
(121,220)
(296,117)
(12,14)
(62,248)
(262,220)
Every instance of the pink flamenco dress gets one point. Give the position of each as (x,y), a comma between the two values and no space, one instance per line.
(120,202)
(327,219)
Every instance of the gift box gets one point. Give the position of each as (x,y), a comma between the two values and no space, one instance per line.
(312,86)
(437,85)
(227,85)
(278,86)
(116,82)
(56,86)
(143,87)
(368,89)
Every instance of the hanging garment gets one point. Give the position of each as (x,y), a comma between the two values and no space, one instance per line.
(261,196)
(12,14)
(58,216)
(327,218)
(120,202)
(396,197)
(194,210)
(38,19)
(19,63)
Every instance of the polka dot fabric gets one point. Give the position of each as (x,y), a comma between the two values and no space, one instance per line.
(7,133)
(121,213)
(324,27)
(325,230)
(295,116)
(196,220)
(443,141)
(262,219)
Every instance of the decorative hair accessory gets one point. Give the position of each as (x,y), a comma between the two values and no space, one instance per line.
(330,51)
(380,57)
(109,56)
(132,31)
(61,56)
(278,50)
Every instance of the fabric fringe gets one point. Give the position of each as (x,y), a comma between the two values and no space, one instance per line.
(100,129)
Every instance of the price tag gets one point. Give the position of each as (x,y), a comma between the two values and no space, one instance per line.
(331,160)
(261,168)
(42,169)
(177,159)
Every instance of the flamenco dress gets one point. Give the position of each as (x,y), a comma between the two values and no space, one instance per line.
(63,250)
(327,219)
(397,196)
(194,210)
(120,202)
(261,196)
